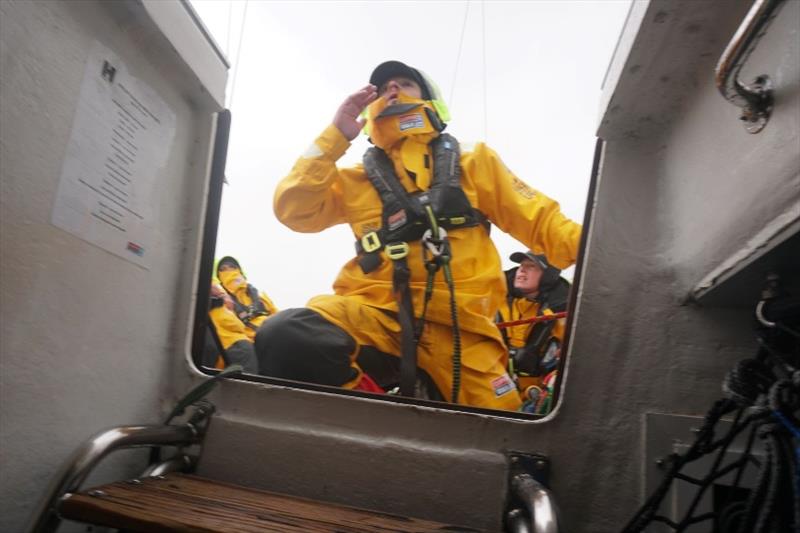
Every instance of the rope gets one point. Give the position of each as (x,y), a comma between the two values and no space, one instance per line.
(458,55)
(485,97)
(228,35)
(765,392)
(448,276)
(201,391)
(238,52)
(532,320)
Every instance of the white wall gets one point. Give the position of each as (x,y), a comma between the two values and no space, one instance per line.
(89,340)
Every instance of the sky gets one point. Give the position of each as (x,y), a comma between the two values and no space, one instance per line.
(525,77)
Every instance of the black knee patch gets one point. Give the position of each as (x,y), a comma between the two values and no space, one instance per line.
(299,344)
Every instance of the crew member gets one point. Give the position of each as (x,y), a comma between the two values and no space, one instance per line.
(228,341)
(250,305)
(426,281)
(536,289)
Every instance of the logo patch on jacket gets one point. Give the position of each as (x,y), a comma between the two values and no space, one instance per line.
(502,385)
(522,188)
(413,120)
(396,220)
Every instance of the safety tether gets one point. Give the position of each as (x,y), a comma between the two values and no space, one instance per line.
(439,249)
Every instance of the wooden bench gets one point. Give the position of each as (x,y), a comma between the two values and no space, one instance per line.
(186,503)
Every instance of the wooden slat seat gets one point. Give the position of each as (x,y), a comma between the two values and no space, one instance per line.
(186,503)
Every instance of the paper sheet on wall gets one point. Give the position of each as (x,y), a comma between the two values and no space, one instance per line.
(120,140)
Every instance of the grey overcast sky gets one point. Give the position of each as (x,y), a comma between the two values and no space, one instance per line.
(525,77)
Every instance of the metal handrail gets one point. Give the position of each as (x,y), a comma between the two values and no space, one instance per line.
(75,471)
(179,463)
(538,501)
(754,99)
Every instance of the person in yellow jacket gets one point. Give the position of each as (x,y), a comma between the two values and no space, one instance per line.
(229,341)
(250,305)
(536,289)
(427,281)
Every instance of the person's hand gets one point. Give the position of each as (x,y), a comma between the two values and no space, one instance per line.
(347,116)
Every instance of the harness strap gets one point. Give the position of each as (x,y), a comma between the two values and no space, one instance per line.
(418,216)
(247,313)
(405,316)
(404,217)
(369,247)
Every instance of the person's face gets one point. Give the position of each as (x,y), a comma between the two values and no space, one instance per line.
(226,267)
(397,85)
(528,276)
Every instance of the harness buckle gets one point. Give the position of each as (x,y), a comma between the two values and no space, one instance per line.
(435,246)
(396,250)
(370,242)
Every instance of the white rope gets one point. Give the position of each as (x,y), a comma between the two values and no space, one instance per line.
(228,36)
(485,99)
(238,52)
(458,56)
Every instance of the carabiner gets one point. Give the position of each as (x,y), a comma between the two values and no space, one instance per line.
(435,249)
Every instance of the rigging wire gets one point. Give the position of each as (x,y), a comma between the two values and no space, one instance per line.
(238,51)
(458,56)
(483,46)
(228,35)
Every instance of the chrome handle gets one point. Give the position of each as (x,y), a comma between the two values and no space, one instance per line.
(45,518)
(756,99)
(539,504)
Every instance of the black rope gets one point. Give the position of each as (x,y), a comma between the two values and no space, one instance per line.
(765,393)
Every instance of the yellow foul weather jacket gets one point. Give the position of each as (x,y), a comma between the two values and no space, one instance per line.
(235,283)
(233,335)
(520,309)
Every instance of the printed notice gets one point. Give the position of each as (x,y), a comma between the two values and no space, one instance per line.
(119,144)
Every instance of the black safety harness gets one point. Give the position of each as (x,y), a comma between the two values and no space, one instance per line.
(528,360)
(247,313)
(424,216)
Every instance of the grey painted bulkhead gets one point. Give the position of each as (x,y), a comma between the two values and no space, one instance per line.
(682,188)
(679,178)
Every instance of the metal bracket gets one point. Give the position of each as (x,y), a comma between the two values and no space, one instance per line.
(538,466)
(756,113)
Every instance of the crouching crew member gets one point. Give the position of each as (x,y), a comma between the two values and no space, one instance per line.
(228,341)
(250,305)
(426,282)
